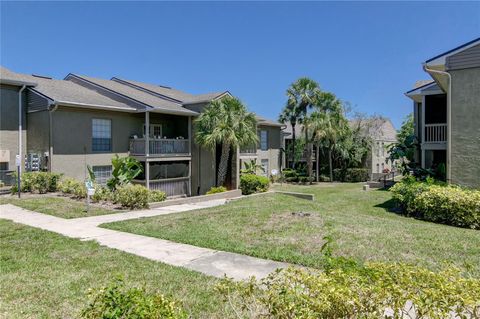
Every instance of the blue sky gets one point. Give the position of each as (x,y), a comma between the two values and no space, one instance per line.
(367,53)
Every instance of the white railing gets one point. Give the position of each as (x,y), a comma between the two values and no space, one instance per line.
(248,151)
(160,146)
(435,133)
(179,186)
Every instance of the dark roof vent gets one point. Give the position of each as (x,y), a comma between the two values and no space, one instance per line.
(165,87)
(41,76)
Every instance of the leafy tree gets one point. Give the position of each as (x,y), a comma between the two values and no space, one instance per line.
(407,129)
(404,149)
(226,122)
(124,170)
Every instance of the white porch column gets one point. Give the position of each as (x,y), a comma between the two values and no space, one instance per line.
(422,130)
(147,134)
(190,137)
(147,173)
(147,149)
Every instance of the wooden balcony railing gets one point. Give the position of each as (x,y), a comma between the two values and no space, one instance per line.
(435,133)
(160,146)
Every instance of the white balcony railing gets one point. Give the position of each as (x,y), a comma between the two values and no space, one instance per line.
(179,186)
(435,133)
(161,146)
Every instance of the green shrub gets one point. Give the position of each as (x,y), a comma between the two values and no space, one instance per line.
(115,301)
(156,196)
(67,185)
(37,182)
(215,190)
(405,192)
(250,184)
(306,179)
(367,293)
(102,193)
(438,202)
(351,175)
(133,196)
(288,172)
(449,205)
(324,178)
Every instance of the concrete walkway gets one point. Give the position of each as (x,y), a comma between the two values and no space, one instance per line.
(208,261)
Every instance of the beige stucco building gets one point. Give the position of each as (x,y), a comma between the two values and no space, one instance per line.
(78,121)
(447,114)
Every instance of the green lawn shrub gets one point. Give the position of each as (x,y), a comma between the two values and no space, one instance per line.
(215,190)
(250,183)
(102,194)
(366,293)
(438,202)
(306,179)
(290,175)
(116,301)
(38,182)
(323,178)
(156,196)
(133,196)
(351,175)
(71,186)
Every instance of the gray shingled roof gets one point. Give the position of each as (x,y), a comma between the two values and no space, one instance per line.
(160,104)
(379,128)
(263,121)
(64,92)
(180,96)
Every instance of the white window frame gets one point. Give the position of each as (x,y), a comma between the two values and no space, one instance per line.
(95,122)
(100,179)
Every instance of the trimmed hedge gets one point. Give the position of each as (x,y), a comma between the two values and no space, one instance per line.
(365,293)
(250,183)
(351,175)
(438,202)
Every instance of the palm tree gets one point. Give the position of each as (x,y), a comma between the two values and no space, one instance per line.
(291,114)
(226,122)
(329,129)
(303,95)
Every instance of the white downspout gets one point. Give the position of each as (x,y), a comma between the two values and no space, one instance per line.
(449,116)
(20,146)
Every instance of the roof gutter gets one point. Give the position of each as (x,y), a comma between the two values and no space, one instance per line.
(449,116)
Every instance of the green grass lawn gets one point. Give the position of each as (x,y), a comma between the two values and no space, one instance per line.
(57,206)
(359,222)
(45,275)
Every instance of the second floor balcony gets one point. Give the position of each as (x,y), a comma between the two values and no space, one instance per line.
(435,133)
(160,147)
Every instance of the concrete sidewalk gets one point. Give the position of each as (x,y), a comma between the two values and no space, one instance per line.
(208,261)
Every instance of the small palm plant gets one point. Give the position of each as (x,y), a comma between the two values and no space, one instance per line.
(252,167)
(225,122)
(125,169)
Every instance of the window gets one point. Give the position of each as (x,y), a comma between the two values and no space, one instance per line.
(263,140)
(155,130)
(383,149)
(4,166)
(383,167)
(378,149)
(265,170)
(378,168)
(101,135)
(164,170)
(102,173)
